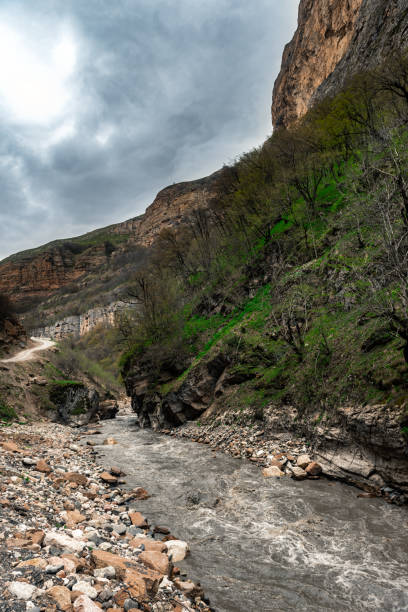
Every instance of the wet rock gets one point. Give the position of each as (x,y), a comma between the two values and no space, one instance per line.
(138,520)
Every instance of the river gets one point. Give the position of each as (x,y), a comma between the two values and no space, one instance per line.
(259,544)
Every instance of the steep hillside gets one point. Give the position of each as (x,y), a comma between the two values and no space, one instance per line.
(335,40)
(292,310)
(69,277)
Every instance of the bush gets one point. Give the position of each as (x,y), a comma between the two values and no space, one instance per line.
(7,413)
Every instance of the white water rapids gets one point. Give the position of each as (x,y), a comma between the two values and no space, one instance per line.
(258,544)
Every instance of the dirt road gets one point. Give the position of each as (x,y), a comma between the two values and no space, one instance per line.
(42,344)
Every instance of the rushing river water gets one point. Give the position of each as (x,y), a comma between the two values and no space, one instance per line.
(264,544)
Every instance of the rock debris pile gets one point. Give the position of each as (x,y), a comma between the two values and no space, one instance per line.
(72,540)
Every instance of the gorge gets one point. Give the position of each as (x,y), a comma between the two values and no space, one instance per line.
(257,320)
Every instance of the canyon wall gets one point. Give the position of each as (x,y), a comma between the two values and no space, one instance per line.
(79,325)
(334,40)
(35,275)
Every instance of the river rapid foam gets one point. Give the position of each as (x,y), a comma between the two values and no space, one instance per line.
(258,544)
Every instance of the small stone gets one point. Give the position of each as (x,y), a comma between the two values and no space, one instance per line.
(108,478)
(43,467)
(76,478)
(110,442)
(105,572)
(28,461)
(84,604)
(61,540)
(86,589)
(22,590)
(119,529)
(137,519)
(62,597)
(155,560)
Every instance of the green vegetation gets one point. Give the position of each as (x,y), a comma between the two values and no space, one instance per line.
(7,413)
(298,274)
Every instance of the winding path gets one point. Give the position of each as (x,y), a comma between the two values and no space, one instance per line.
(42,344)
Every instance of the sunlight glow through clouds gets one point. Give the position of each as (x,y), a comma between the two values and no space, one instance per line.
(34,81)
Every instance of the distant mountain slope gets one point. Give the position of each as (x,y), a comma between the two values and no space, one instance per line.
(54,275)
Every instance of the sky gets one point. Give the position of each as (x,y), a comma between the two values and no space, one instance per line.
(105,102)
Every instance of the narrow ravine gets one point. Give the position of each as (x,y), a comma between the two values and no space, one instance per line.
(263,544)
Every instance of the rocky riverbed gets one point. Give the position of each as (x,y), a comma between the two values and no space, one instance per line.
(73,539)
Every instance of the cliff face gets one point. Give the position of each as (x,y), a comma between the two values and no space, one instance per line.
(334,40)
(79,325)
(325,29)
(37,274)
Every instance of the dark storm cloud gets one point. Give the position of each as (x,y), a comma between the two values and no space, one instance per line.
(162,91)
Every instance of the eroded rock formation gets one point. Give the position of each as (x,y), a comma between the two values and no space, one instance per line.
(38,273)
(334,40)
(79,325)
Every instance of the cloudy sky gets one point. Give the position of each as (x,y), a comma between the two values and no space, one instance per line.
(104,102)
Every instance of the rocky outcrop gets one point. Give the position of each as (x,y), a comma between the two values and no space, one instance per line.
(35,275)
(334,40)
(381,29)
(79,325)
(76,404)
(12,334)
(192,398)
(325,29)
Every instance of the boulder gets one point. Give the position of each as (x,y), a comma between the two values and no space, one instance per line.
(314,469)
(155,560)
(303,461)
(298,473)
(177,549)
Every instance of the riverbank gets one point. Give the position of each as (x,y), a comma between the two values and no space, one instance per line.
(72,538)
(276,446)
